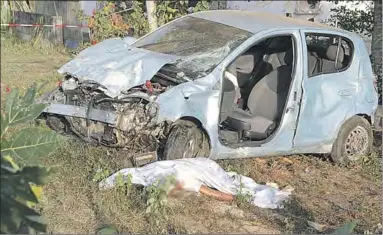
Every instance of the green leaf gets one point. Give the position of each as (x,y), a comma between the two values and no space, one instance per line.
(11,162)
(348,228)
(11,98)
(36,222)
(29,96)
(20,110)
(4,125)
(108,230)
(22,114)
(14,212)
(151,200)
(36,174)
(30,143)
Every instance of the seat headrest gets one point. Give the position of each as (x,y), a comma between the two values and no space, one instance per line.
(289,57)
(332,51)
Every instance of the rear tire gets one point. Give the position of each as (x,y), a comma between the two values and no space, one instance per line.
(186,140)
(354,141)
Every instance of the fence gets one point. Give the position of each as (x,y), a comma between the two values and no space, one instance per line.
(27,26)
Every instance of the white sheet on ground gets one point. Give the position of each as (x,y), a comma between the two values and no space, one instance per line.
(195,172)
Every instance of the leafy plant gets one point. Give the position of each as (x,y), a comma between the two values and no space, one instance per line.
(137,19)
(157,196)
(124,183)
(355,20)
(100,175)
(29,143)
(108,230)
(348,228)
(242,198)
(170,10)
(18,196)
(20,186)
(201,6)
(104,23)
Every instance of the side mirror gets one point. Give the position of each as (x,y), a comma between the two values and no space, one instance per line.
(129,40)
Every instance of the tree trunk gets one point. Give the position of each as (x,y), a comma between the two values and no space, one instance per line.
(376,43)
(151,10)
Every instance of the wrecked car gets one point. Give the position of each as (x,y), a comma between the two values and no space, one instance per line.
(222,84)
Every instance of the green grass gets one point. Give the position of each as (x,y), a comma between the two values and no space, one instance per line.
(325,194)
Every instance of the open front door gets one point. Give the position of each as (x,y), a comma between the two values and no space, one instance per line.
(330,84)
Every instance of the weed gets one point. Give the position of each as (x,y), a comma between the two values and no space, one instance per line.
(157,195)
(100,175)
(371,166)
(242,198)
(124,183)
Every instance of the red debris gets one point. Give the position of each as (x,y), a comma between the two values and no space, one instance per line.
(7,89)
(148,85)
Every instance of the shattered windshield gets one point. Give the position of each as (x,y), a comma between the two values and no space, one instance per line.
(201,44)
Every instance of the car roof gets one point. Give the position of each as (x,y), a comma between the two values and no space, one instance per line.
(255,22)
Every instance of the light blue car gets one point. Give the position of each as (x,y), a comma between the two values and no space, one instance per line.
(223,84)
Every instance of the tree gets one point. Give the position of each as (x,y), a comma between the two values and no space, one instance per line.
(376,44)
(355,20)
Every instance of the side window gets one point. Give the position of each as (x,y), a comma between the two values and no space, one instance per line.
(327,53)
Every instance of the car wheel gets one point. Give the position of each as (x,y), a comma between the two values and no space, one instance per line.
(185,140)
(354,141)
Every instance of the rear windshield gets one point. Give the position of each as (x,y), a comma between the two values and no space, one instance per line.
(200,44)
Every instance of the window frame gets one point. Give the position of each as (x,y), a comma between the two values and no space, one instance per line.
(331,35)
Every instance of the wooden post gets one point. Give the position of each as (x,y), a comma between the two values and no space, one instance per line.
(58,31)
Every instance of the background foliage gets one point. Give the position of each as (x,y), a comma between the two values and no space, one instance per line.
(122,18)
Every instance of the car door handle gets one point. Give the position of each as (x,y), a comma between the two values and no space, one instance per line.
(347,92)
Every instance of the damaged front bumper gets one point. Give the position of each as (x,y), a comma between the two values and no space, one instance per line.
(126,124)
(82,112)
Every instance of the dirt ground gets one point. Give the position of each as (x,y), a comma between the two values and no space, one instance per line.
(325,196)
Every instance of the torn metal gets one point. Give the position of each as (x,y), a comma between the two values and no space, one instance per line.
(115,65)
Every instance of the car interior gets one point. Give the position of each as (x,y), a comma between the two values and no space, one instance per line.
(264,76)
(327,55)
(253,104)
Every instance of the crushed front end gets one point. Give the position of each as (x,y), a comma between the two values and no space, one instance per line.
(129,120)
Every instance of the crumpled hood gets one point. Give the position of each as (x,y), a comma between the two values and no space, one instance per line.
(116,65)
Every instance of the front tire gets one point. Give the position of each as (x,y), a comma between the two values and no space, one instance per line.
(354,141)
(186,140)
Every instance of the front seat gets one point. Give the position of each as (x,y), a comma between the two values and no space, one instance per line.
(265,104)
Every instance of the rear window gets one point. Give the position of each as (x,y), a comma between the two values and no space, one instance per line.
(328,53)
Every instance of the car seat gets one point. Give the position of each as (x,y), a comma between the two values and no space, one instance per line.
(265,103)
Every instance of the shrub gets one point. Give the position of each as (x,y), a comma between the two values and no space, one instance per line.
(20,186)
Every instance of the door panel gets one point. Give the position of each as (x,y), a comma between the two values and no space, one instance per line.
(327,101)
(282,141)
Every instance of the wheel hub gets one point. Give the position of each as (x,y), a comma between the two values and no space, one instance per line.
(356,143)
